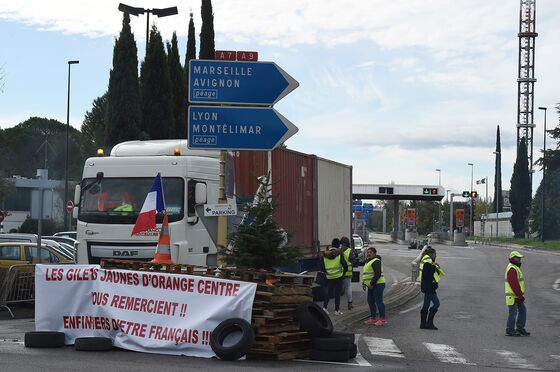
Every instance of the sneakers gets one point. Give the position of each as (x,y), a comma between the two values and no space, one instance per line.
(325,310)
(512,333)
(380,322)
(338,312)
(522,332)
(371,321)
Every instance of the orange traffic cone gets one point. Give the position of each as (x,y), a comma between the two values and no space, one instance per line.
(163,254)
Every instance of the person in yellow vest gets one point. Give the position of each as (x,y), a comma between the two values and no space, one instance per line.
(349,256)
(515,296)
(429,277)
(374,280)
(335,269)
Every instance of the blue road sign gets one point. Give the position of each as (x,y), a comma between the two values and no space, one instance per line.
(237,128)
(242,83)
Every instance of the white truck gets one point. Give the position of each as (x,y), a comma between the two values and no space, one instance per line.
(189,178)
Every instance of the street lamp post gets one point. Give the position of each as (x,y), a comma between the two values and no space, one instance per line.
(470,192)
(439,204)
(162,12)
(543,175)
(70,63)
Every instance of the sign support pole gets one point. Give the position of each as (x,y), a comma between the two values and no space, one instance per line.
(222,220)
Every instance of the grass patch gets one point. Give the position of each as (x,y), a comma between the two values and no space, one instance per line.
(553,245)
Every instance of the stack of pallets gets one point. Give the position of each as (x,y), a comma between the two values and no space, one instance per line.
(277,331)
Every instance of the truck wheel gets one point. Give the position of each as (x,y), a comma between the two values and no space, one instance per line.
(44,339)
(232,339)
(314,320)
(330,356)
(93,344)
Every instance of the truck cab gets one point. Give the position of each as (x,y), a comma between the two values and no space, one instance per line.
(113,189)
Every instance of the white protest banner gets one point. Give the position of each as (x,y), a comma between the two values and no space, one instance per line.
(142,311)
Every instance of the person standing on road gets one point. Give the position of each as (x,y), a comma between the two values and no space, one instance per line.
(349,256)
(429,278)
(374,280)
(335,268)
(515,296)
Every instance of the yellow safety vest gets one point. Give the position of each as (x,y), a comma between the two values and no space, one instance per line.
(437,275)
(333,267)
(125,209)
(510,296)
(347,258)
(369,273)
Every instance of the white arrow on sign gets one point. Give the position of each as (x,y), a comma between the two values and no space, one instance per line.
(214,210)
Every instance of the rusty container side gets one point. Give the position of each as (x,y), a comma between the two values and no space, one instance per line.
(293,185)
(248,166)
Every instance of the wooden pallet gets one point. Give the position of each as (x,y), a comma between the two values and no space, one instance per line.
(286,355)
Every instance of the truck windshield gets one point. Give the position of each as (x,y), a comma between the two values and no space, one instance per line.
(119,200)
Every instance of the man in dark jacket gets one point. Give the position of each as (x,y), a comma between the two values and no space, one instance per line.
(335,267)
(429,274)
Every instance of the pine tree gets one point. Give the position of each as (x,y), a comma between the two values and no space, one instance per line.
(93,127)
(122,120)
(178,88)
(155,86)
(258,241)
(498,175)
(207,48)
(520,193)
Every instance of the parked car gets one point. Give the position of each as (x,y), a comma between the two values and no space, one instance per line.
(15,253)
(70,234)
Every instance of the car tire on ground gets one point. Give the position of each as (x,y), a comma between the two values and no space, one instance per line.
(331,343)
(240,347)
(353,351)
(44,339)
(330,356)
(314,320)
(93,343)
(350,336)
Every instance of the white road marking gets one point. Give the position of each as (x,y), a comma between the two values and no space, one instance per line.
(359,358)
(555,357)
(417,306)
(515,359)
(383,346)
(556,285)
(447,354)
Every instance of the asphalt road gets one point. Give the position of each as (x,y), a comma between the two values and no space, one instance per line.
(471,325)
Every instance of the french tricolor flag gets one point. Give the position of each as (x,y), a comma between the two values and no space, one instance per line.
(154,203)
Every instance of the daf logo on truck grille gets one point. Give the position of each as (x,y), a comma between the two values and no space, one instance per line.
(120,253)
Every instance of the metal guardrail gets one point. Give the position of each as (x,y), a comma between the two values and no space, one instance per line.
(17,284)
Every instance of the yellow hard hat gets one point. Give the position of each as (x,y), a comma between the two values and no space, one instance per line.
(515,254)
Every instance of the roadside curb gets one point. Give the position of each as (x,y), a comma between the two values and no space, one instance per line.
(398,295)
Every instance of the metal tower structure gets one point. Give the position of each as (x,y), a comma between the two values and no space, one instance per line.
(526,76)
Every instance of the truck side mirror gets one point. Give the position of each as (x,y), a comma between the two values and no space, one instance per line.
(77,191)
(200,193)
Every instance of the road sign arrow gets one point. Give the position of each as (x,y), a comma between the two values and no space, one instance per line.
(242,83)
(237,128)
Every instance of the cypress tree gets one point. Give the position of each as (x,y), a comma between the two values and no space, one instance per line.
(178,89)
(155,86)
(207,48)
(498,175)
(520,193)
(191,54)
(122,120)
(93,127)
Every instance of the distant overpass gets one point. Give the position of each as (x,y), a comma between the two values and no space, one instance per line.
(397,192)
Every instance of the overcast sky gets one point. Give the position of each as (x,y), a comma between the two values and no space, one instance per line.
(394,88)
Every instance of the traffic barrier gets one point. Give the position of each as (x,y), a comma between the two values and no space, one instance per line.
(414,270)
(17,284)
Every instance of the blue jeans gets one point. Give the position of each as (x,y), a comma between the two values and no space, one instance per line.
(430,297)
(375,300)
(518,310)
